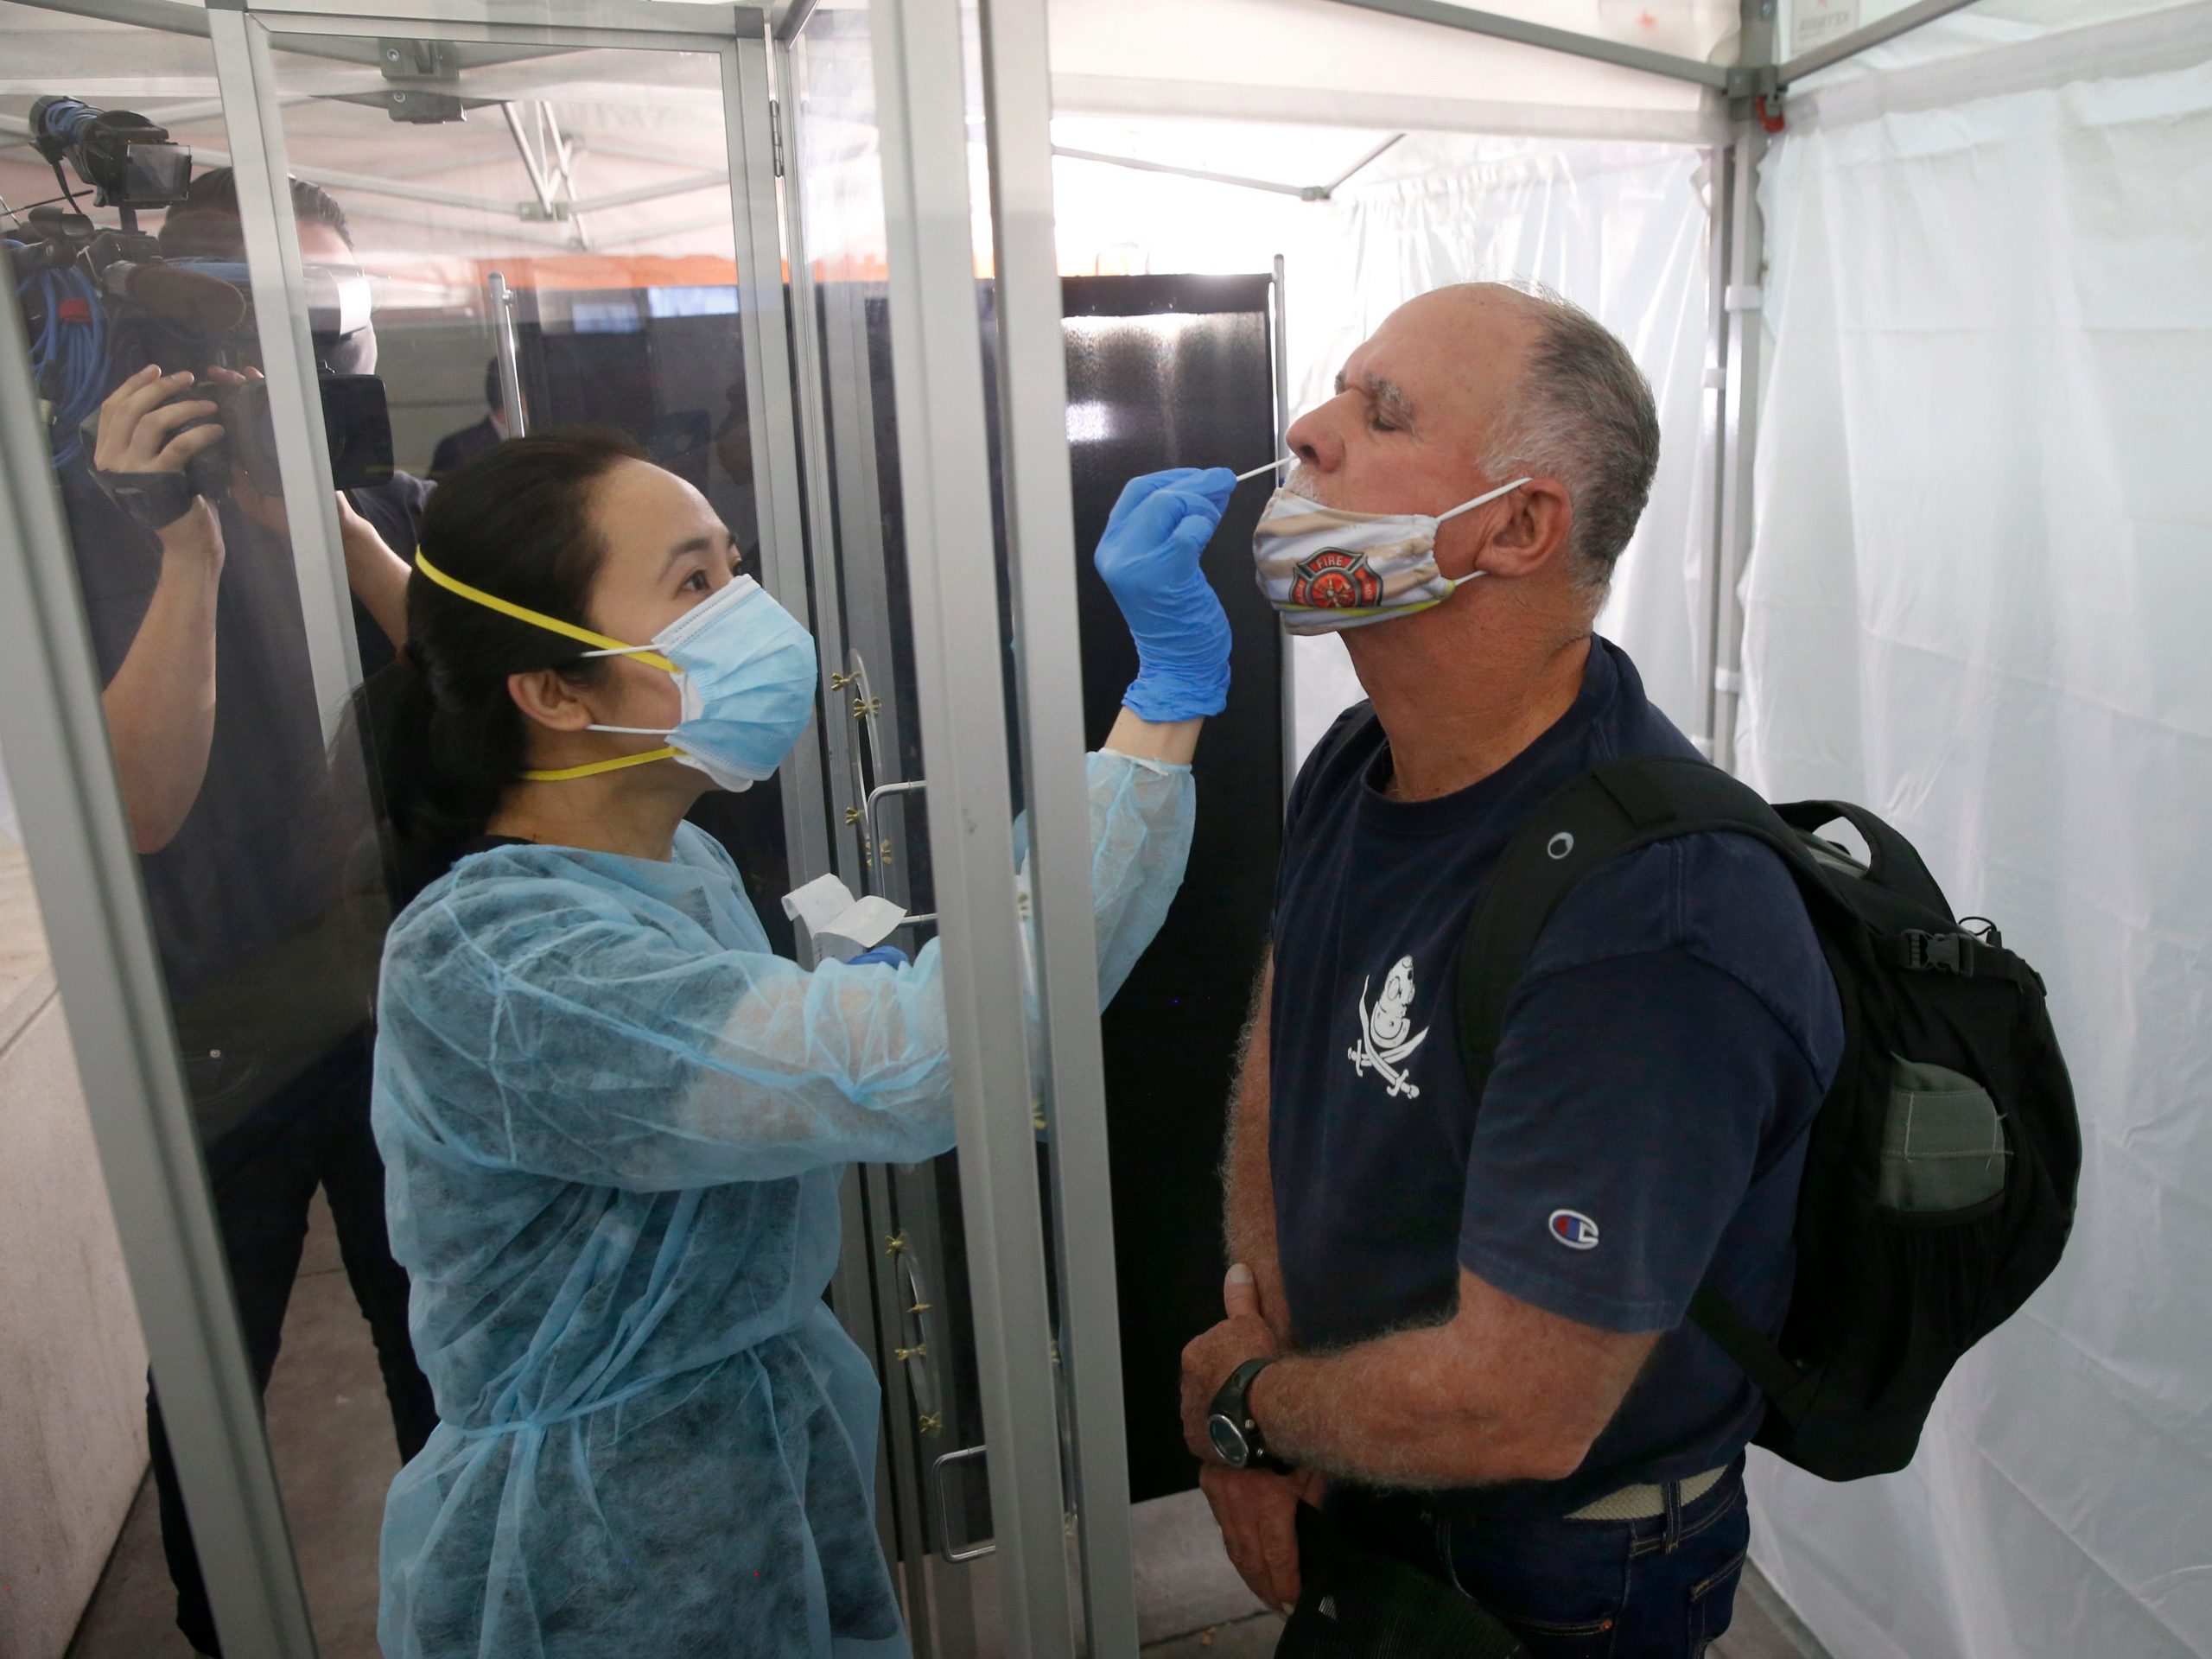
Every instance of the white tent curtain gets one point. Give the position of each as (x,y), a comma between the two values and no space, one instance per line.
(1621,229)
(1977,602)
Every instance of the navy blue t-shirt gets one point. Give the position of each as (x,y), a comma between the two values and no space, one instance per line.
(1661,1063)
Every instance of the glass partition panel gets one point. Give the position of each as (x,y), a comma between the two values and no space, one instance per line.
(251,812)
(492,230)
(560,218)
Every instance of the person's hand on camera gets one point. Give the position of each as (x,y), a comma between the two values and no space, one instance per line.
(266,510)
(1150,559)
(145,427)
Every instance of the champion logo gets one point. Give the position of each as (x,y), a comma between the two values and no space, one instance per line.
(1575,1229)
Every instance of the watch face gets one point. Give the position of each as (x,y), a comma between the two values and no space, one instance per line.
(1229,1441)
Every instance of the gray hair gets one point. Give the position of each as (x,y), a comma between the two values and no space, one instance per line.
(1585,416)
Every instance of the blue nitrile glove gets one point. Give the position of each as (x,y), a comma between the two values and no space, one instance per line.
(889,955)
(1149,558)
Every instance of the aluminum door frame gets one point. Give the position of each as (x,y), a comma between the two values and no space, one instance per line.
(937,346)
(892,1213)
(1040,537)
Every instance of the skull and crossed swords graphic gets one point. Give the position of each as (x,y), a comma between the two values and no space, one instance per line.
(1386,1042)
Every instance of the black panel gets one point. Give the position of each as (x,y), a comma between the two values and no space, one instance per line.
(1178,372)
(1164,372)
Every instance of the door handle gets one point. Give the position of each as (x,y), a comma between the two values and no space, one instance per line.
(974,1552)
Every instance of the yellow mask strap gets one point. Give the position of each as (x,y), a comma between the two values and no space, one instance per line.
(539,619)
(595,767)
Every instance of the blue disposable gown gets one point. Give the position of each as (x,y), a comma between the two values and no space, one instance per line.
(614,1124)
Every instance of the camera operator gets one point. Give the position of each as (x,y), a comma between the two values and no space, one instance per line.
(268,941)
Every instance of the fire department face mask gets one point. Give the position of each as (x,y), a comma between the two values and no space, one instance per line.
(1326,569)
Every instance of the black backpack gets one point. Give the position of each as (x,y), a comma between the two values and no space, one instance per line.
(1939,1177)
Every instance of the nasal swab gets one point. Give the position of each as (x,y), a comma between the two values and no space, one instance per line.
(1269,468)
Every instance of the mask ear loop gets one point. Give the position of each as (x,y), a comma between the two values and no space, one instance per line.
(1485,498)
(1469,506)
(605,647)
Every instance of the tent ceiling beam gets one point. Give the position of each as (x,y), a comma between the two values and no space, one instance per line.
(1902,22)
(1523,33)
(1143,97)
(1303,192)
(659,192)
(166,16)
(1361,165)
(540,185)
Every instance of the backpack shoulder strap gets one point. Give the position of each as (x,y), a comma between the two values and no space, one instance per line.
(1611,810)
(1893,861)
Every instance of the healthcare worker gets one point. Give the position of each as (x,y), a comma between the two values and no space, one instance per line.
(614,1121)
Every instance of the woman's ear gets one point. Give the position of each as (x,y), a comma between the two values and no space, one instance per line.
(547,700)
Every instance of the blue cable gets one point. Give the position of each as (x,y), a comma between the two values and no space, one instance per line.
(80,350)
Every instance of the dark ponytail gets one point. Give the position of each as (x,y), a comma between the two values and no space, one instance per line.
(515,522)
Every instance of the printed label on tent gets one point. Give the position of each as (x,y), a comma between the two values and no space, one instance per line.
(1816,23)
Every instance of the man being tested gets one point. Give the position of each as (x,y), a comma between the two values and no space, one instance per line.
(1474,1322)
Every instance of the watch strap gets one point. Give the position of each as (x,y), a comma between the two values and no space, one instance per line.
(1233,1400)
(154,500)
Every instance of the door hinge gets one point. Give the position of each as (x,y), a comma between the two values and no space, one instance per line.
(776,135)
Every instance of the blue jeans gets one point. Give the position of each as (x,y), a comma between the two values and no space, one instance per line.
(1661,1588)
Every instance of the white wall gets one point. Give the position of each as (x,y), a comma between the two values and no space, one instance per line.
(1979,602)
(72,1365)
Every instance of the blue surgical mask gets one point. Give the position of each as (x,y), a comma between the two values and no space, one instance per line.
(746,671)
(743,665)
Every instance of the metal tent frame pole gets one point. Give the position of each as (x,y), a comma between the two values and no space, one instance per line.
(1758,73)
(245,75)
(1041,534)
(1739,327)
(764,328)
(1875,33)
(1597,47)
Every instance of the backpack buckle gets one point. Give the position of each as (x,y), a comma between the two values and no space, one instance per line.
(1938,953)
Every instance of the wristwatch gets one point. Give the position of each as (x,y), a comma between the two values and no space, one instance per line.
(1230,1425)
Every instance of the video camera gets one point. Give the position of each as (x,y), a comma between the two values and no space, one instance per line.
(99,303)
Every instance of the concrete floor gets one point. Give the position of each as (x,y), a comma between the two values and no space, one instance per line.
(336,1458)
(331,1435)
